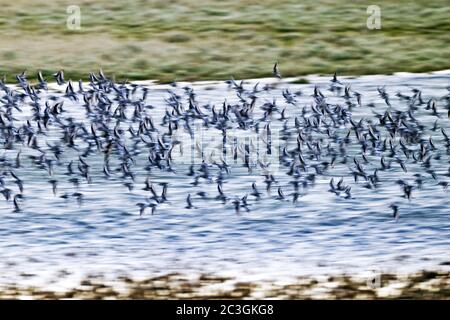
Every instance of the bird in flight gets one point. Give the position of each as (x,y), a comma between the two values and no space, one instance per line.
(276,71)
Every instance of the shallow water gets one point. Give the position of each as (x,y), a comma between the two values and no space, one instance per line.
(320,234)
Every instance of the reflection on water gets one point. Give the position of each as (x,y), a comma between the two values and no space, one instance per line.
(321,233)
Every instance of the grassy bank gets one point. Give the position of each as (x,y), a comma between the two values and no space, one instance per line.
(423,285)
(192,40)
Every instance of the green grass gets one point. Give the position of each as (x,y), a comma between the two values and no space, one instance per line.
(210,39)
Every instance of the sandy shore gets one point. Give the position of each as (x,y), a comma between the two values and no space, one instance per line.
(423,285)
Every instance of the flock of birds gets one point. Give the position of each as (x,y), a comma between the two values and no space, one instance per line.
(119,126)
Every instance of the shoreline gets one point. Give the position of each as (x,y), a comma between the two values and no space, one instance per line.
(307,79)
(427,284)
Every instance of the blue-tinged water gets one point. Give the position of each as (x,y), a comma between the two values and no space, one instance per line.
(320,234)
